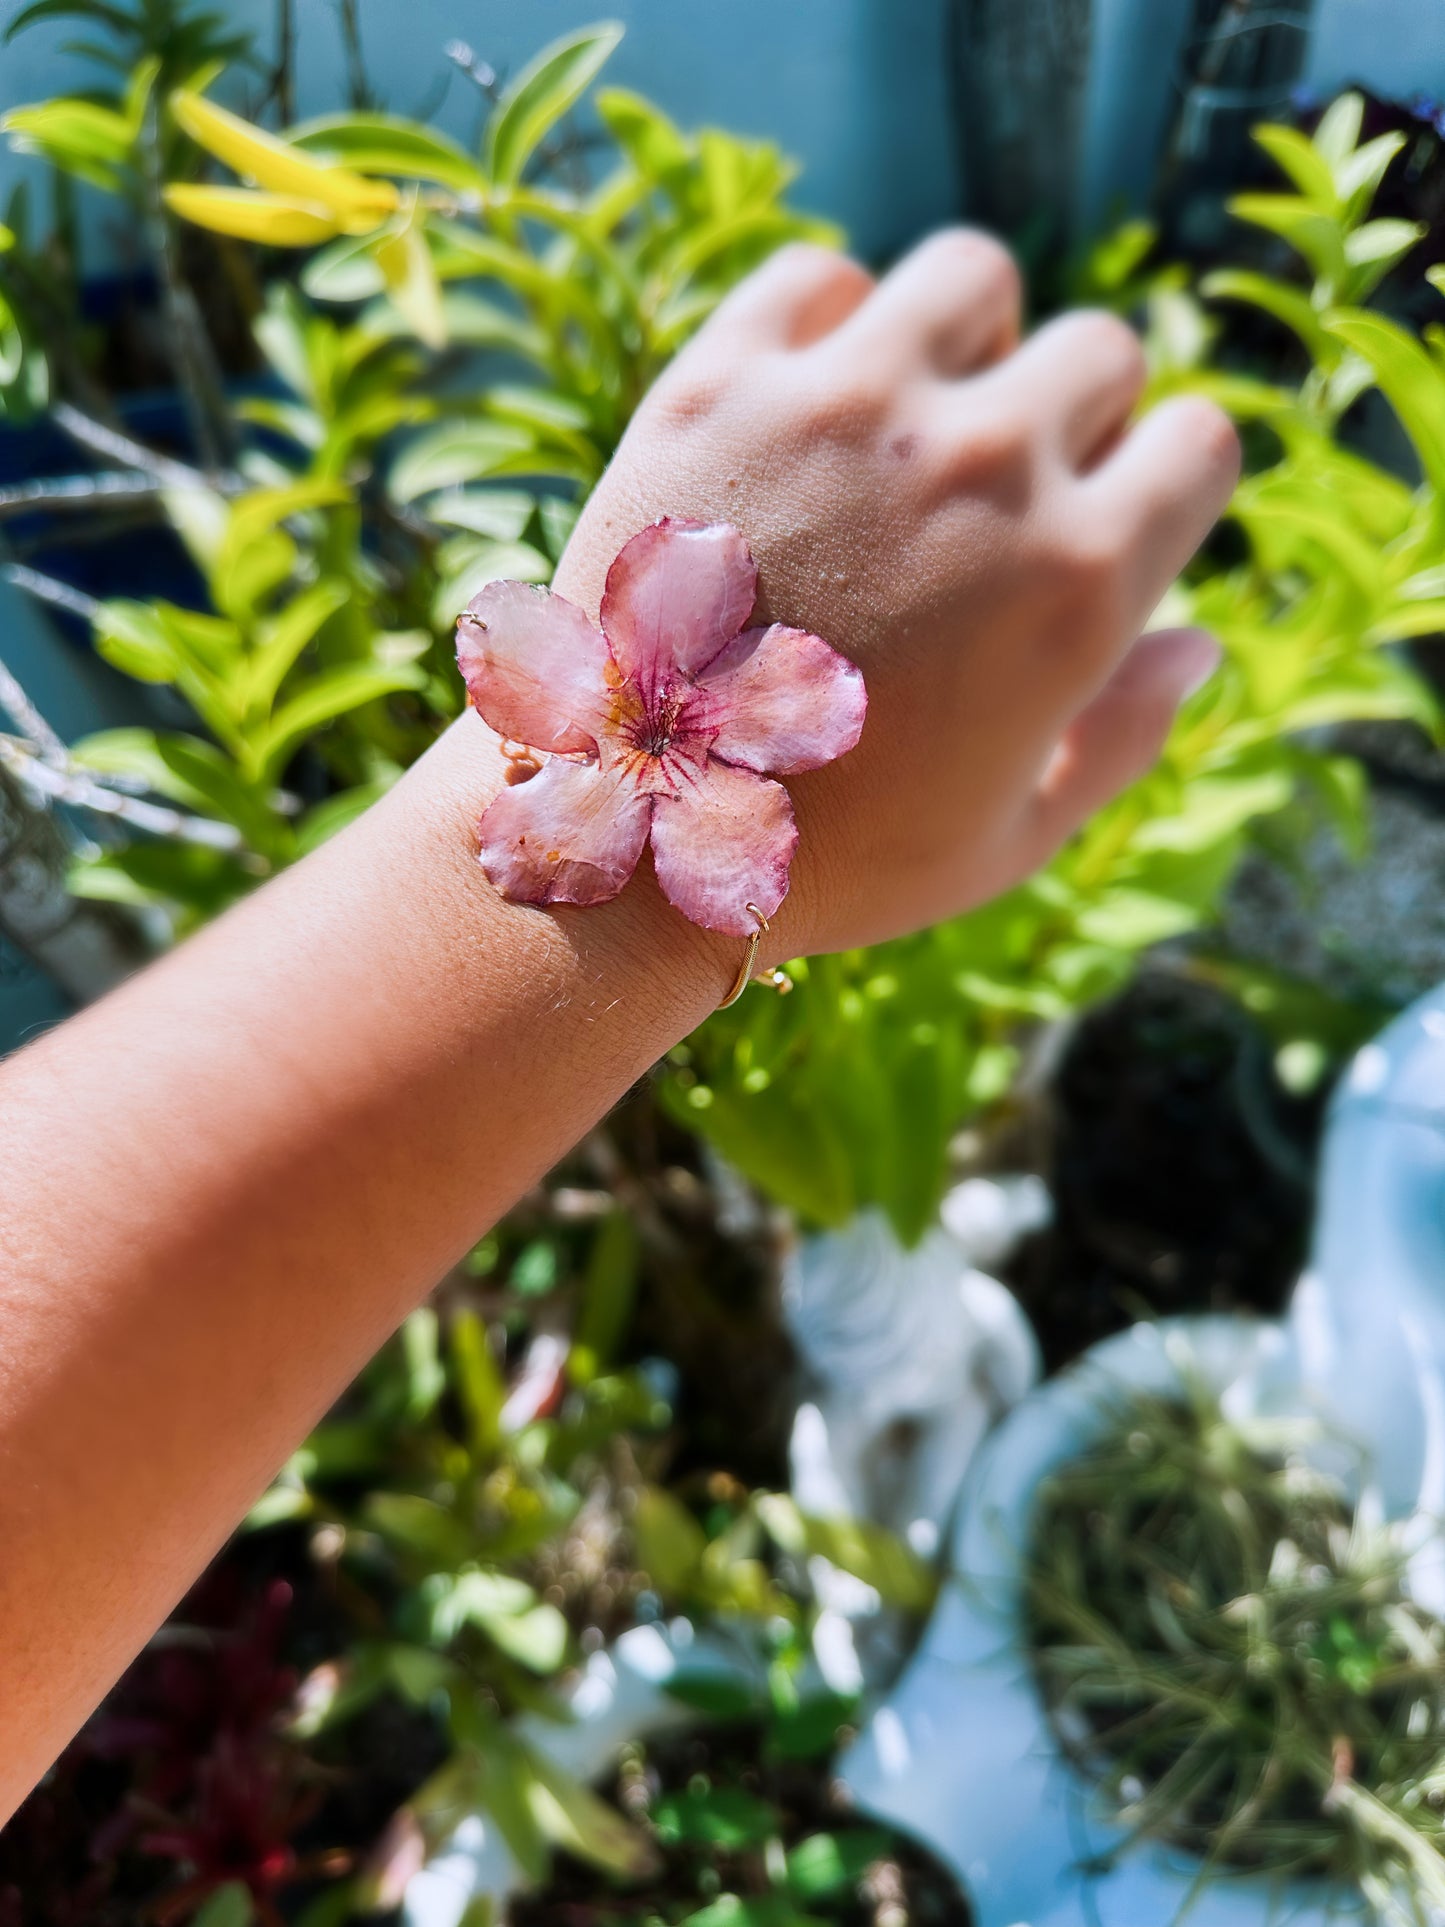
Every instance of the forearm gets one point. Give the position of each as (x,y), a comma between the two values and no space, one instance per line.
(225,1185)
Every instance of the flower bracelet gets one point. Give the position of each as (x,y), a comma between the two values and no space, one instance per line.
(667,723)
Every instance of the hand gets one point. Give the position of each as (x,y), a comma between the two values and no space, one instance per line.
(973,521)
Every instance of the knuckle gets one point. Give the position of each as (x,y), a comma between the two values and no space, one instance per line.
(692,391)
(1107,339)
(812,261)
(988,450)
(852,397)
(1086,565)
(1209,430)
(976,257)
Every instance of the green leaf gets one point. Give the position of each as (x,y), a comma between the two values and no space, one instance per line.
(453,453)
(1314,235)
(285,635)
(723,1816)
(1412,383)
(116,18)
(575,1819)
(536,1639)
(539,96)
(132,752)
(1302,161)
(407,268)
(651,141)
(1129,919)
(1339,130)
(827,1866)
(333,693)
(212,778)
(228,1906)
(478,1380)
(1372,250)
(387,144)
(131,637)
(809,1730)
(347,270)
(763,1910)
(720,1696)
(421,1527)
(501,513)
(467,565)
(1289,305)
(1358,175)
(609,1290)
(670,1542)
(868,1551)
(91,141)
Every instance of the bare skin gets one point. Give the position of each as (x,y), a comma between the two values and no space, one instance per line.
(224,1185)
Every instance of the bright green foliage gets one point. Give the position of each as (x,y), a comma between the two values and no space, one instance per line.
(445,1509)
(335,569)
(847,1093)
(436,1503)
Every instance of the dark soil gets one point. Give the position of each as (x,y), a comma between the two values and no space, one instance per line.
(1181,1170)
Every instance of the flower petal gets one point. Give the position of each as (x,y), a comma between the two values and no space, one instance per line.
(722,841)
(573,834)
(779,700)
(534,666)
(677,594)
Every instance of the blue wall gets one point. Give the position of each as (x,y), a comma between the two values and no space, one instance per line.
(854,88)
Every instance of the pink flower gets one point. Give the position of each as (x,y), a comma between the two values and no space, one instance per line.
(662,723)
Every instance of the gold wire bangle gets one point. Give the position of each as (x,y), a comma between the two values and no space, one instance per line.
(778,980)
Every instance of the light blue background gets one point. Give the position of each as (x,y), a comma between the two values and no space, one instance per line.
(856,89)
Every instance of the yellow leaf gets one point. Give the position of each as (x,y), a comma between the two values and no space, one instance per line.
(274,219)
(357,204)
(411,279)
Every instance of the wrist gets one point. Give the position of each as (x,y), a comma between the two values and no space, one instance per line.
(634,954)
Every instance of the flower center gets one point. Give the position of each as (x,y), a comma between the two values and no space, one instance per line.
(656,728)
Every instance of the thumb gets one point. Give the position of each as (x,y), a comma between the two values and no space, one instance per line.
(1120,734)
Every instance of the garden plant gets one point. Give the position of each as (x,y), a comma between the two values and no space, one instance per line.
(1234,1651)
(402,364)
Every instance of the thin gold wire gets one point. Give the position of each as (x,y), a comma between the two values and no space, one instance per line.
(778,980)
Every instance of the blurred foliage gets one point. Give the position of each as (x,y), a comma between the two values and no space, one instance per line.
(450,1504)
(849,1092)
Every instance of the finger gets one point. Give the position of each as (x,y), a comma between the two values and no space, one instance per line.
(952,306)
(797,296)
(1080,378)
(1112,742)
(1167,484)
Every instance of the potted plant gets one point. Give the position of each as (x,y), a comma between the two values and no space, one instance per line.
(1188,1662)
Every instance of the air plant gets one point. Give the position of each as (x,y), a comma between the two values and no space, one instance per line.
(1228,1646)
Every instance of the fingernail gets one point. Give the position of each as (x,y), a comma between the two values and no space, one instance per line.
(1199,656)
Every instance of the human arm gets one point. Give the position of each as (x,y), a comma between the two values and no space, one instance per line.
(225,1184)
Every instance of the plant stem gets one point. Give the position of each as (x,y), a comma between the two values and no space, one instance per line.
(197,374)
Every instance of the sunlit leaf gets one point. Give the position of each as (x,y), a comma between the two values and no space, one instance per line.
(355,203)
(271,220)
(539,96)
(387,144)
